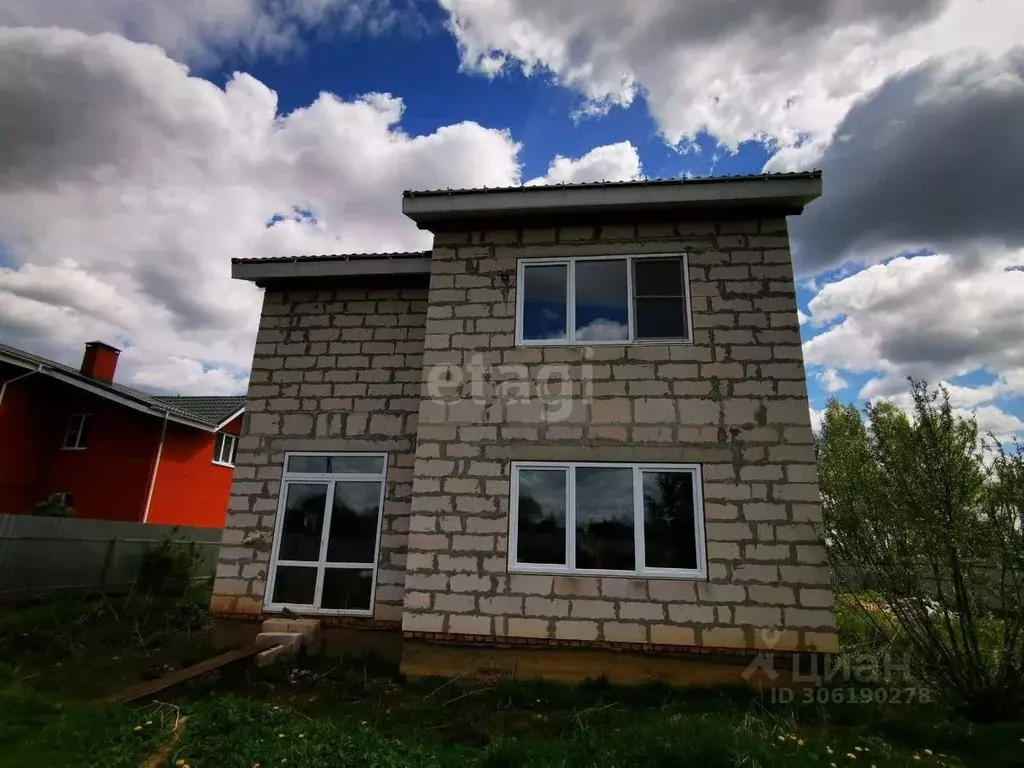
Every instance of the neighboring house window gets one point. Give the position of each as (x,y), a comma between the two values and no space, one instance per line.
(224,449)
(77,434)
(67,498)
(603,300)
(328,533)
(607,519)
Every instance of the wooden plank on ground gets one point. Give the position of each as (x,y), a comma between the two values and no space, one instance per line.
(178,676)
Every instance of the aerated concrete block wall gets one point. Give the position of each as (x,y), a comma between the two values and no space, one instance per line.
(734,401)
(334,369)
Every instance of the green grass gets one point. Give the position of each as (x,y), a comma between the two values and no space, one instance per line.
(361,713)
(38,730)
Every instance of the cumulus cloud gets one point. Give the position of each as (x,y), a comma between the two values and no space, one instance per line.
(924,316)
(831,379)
(612,162)
(126,186)
(201,30)
(920,316)
(931,160)
(603,330)
(781,71)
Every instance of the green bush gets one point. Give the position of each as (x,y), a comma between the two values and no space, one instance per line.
(930,514)
(169,568)
(52,507)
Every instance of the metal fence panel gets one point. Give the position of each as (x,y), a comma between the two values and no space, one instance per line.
(40,555)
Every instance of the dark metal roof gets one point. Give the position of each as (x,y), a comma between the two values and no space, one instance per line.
(335,257)
(599,184)
(210,409)
(202,410)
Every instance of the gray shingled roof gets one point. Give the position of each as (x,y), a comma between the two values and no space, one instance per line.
(640,183)
(335,257)
(210,409)
(207,411)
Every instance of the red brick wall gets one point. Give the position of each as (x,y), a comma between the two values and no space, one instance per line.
(109,478)
(25,442)
(190,489)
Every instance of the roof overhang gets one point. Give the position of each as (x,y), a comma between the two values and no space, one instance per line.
(265,270)
(231,418)
(783,194)
(127,402)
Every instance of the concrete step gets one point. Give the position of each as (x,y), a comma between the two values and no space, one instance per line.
(278,647)
(308,628)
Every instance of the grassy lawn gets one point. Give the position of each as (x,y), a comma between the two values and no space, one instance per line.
(57,659)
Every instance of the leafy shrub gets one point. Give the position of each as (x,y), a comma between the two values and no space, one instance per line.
(930,514)
(169,568)
(52,507)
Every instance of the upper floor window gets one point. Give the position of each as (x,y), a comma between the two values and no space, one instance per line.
(603,300)
(224,449)
(76,436)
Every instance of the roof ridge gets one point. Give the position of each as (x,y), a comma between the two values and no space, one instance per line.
(112,387)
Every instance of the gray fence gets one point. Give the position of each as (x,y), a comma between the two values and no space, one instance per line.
(42,555)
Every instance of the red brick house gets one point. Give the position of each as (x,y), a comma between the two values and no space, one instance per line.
(112,452)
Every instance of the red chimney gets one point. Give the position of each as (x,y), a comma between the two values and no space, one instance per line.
(100,360)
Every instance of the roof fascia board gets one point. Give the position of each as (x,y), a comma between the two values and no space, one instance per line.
(530,200)
(231,418)
(104,393)
(300,268)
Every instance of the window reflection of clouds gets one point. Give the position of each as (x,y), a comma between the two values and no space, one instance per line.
(545,486)
(603,330)
(545,313)
(602,300)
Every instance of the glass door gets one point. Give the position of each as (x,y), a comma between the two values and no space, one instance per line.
(327,538)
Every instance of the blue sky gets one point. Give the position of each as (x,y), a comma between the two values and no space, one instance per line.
(422,66)
(130,186)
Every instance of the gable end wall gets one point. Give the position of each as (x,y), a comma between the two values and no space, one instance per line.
(734,401)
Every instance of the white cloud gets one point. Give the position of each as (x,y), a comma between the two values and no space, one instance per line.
(126,186)
(802,316)
(831,379)
(782,71)
(201,30)
(997,421)
(927,317)
(817,417)
(922,316)
(603,330)
(612,162)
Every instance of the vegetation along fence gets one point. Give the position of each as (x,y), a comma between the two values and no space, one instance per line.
(40,555)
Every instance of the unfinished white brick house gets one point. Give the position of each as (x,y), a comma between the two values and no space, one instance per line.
(579,421)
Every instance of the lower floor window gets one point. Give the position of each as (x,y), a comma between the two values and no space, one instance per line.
(328,533)
(615,519)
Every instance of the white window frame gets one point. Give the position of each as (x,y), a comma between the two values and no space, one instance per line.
(570,292)
(224,439)
(321,563)
(570,467)
(62,497)
(77,445)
